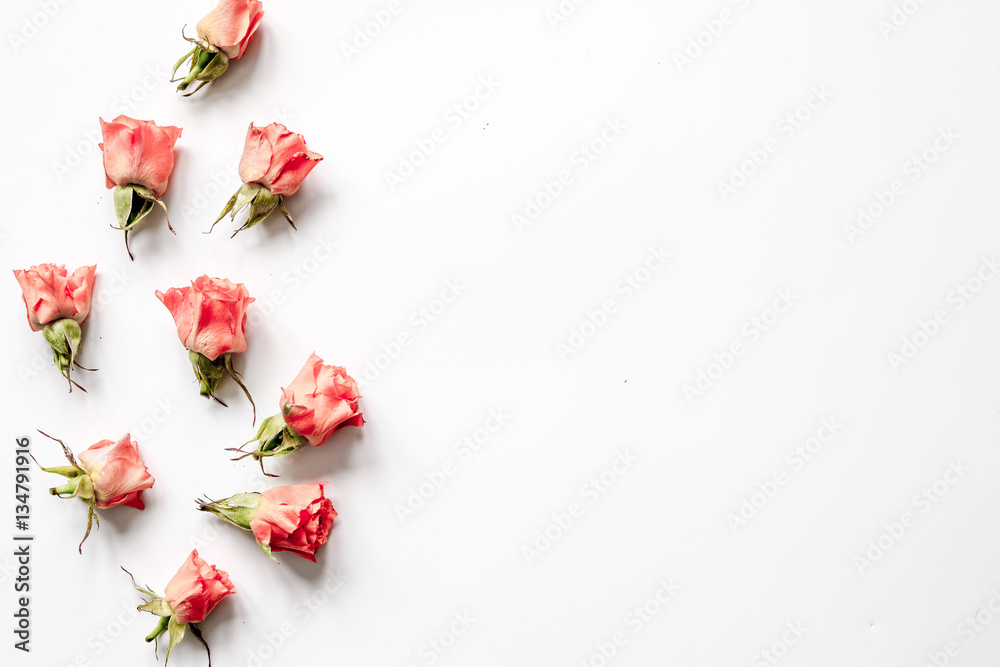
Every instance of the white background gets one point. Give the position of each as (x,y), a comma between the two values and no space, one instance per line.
(524,290)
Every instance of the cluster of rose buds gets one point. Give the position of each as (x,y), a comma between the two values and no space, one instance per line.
(210,317)
(139,158)
(139,154)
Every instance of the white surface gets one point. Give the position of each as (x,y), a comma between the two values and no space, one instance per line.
(495,346)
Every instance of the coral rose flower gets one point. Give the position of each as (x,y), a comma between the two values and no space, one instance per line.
(274,163)
(138,152)
(211,320)
(320,400)
(210,315)
(189,597)
(195,590)
(138,161)
(230,26)
(223,35)
(276,158)
(107,475)
(58,302)
(286,518)
(293,518)
(52,293)
(118,474)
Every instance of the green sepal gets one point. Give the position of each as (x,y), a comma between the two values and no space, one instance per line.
(130,209)
(261,207)
(207,64)
(132,204)
(238,509)
(239,201)
(64,337)
(161,627)
(176,632)
(208,372)
(196,631)
(69,472)
(266,548)
(228,365)
(149,197)
(144,591)
(85,492)
(157,606)
(177,65)
(261,203)
(79,486)
(274,438)
(227,209)
(215,68)
(244,197)
(284,212)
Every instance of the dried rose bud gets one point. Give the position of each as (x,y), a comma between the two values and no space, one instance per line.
(273,166)
(223,35)
(211,318)
(58,302)
(319,401)
(138,160)
(286,518)
(108,474)
(188,598)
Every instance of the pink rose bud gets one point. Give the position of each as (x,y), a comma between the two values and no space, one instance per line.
(188,598)
(107,475)
(211,320)
(223,35)
(274,164)
(320,400)
(58,302)
(285,518)
(138,159)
